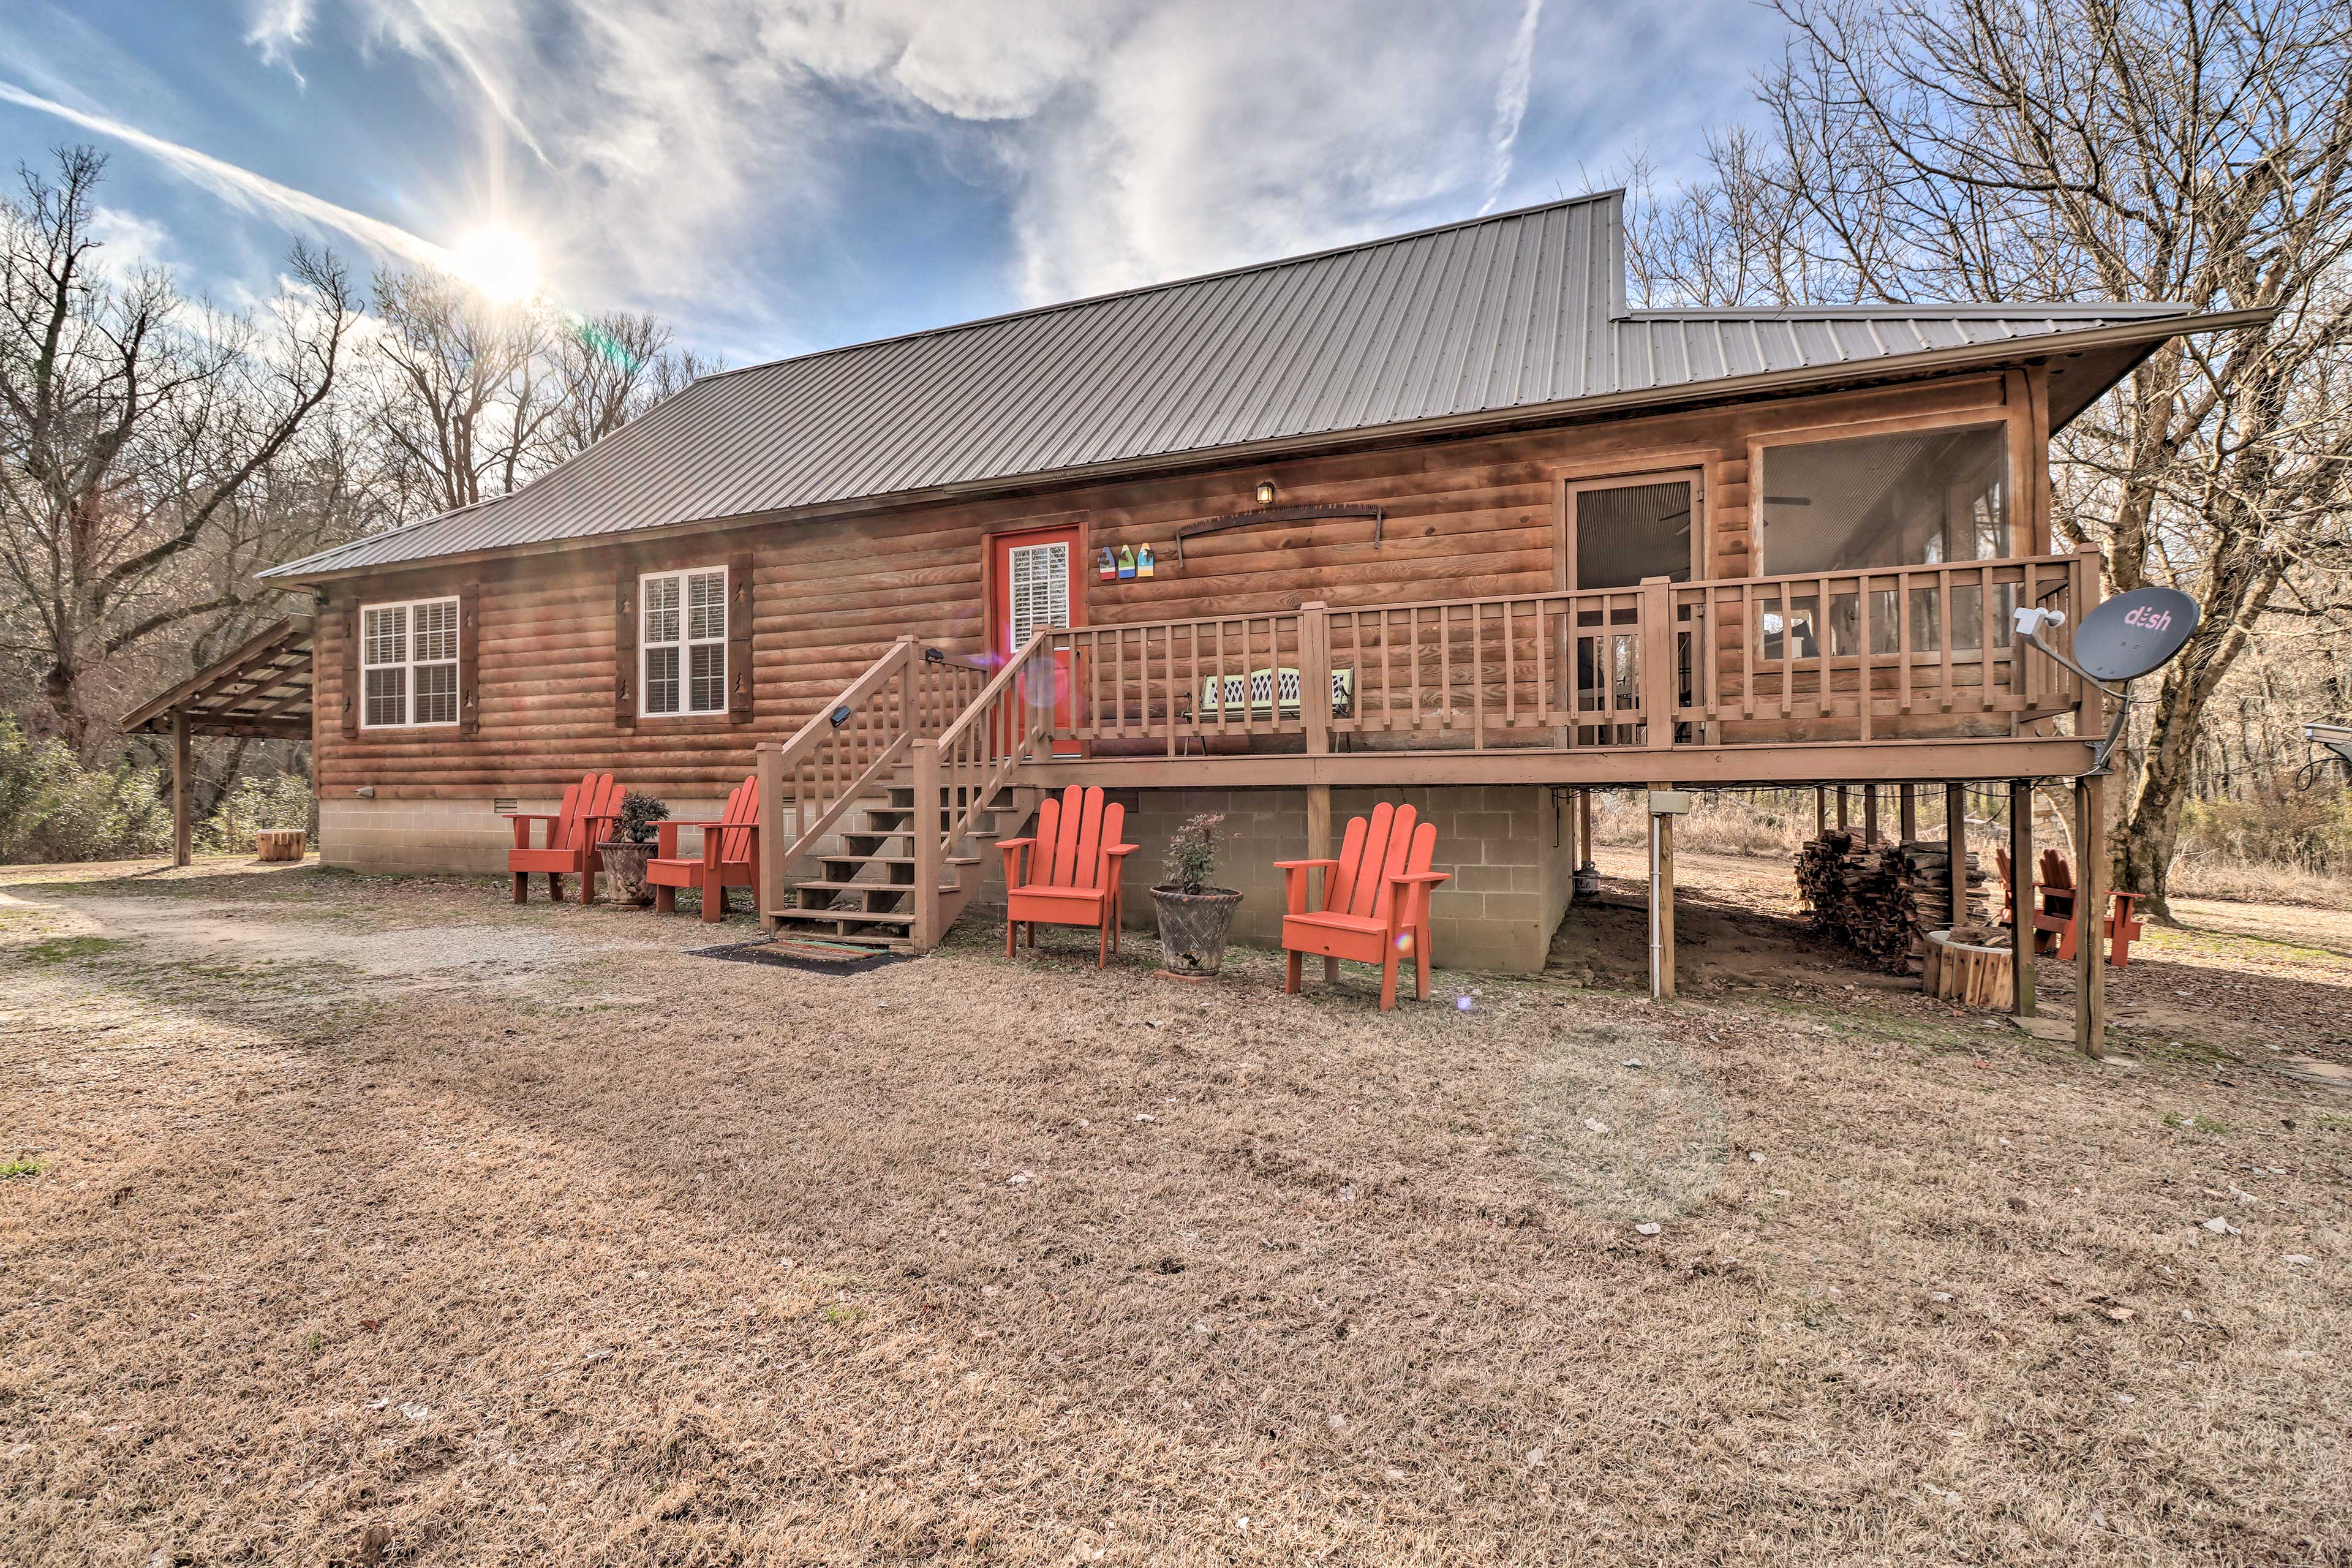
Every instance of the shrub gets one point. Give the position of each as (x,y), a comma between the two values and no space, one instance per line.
(53,808)
(251,805)
(1191,855)
(639,812)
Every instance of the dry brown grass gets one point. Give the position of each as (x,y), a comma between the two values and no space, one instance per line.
(589,1252)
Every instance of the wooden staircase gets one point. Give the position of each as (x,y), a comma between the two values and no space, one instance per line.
(894,793)
(865,894)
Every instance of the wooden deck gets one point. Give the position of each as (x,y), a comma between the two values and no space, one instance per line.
(1894,673)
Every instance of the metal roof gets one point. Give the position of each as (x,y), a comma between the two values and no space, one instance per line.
(1516,311)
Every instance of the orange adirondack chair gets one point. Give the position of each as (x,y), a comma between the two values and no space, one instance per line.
(2057,917)
(1375,901)
(1075,861)
(574,832)
(730,858)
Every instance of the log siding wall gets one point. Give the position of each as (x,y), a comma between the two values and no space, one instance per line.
(1466,518)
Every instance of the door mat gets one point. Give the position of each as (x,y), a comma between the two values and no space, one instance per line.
(801,953)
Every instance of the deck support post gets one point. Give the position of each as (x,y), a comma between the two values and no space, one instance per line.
(1584,827)
(1869,816)
(773,834)
(2090,923)
(1956,834)
(1821,811)
(928,862)
(2020,882)
(1318,821)
(183,836)
(1662,901)
(1841,809)
(1907,805)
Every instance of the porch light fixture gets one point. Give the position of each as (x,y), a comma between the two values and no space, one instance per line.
(839,716)
(1266,492)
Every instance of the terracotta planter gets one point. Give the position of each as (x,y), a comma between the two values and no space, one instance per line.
(625,869)
(1193,927)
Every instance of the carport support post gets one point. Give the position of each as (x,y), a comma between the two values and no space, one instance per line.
(2020,882)
(183,839)
(1662,901)
(2090,912)
(1955,834)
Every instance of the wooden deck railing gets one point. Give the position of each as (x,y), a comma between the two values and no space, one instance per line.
(909,693)
(1878,653)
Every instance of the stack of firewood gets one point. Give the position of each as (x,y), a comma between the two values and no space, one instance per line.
(1883,901)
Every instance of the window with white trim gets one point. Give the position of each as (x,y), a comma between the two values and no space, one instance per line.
(682,642)
(408,664)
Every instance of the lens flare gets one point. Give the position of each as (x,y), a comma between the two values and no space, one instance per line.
(499,264)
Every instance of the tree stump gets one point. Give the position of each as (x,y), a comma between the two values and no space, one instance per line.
(281,843)
(1968,964)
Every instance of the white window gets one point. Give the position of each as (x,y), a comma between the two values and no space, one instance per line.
(408,664)
(682,646)
(1039,589)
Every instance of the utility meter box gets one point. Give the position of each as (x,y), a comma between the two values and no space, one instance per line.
(1669,802)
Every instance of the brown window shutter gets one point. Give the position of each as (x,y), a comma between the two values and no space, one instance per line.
(351,669)
(469,652)
(625,646)
(739,638)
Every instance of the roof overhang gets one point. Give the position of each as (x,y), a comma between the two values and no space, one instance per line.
(261,691)
(2100,357)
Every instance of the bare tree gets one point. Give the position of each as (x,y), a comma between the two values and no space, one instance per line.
(612,368)
(465,390)
(2198,151)
(130,424)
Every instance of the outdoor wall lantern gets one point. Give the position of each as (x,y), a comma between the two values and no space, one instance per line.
(1266,492)
(840,716)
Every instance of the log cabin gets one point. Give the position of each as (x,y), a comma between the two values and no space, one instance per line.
(1436,518)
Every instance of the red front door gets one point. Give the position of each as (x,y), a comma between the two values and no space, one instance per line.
(1035,581)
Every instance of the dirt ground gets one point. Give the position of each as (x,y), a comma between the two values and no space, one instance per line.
(378,1221)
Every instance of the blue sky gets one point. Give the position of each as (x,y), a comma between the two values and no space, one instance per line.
(772,178)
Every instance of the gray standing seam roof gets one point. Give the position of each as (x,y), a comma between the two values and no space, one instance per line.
(1516,310)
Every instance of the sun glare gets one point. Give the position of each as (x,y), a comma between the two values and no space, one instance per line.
(498,262)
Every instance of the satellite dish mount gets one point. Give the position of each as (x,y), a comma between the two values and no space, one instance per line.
(2125,637)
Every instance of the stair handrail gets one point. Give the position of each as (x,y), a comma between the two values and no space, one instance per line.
(959,774)
(878,734)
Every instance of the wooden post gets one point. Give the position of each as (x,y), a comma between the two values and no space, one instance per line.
(1658,687)
(183,835)
(1907,799)
(1584,824)
(1821,811)
(2020,871)
(2090,924)
(1662,902)
(929,862)
(1318,821)
(1869,814)
(775,837)
(1841,809)
(1956,834)
(1313,685)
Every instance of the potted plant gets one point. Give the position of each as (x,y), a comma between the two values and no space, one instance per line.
(631,846)
(1194,918)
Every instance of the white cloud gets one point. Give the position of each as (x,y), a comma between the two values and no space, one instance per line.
(1511,100)
(1138,142)
(276,28)
(127,242)
(246,190)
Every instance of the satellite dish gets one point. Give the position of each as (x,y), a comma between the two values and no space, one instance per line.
(2133,633)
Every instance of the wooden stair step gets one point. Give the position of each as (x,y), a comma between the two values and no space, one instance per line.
(824,885)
